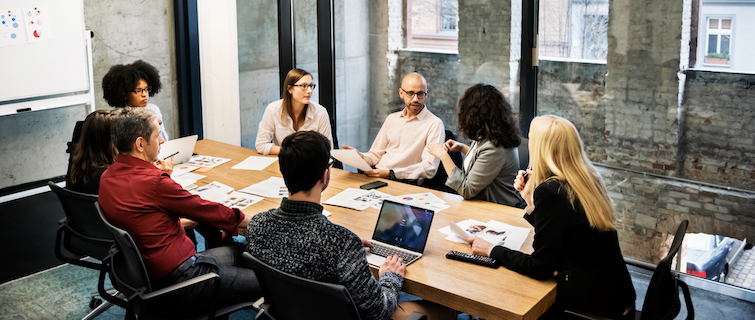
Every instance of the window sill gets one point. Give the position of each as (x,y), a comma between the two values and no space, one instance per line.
(423,50)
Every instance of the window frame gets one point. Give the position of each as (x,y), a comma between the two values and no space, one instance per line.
(718,32)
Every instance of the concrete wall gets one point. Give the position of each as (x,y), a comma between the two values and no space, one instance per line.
(258,63)
(33,144)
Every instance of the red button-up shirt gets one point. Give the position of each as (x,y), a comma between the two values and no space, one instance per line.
(137,197)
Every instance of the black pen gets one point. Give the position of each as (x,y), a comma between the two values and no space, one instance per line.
(175,153)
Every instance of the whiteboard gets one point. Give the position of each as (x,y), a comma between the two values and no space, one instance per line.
(50,66)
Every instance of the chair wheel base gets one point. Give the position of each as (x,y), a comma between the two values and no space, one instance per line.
(95,302)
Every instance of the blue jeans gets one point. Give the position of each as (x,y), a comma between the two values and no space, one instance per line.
(237,284)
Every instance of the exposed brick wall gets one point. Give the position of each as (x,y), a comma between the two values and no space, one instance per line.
(441,72)
(575,91)
(650,208)
(484,44)
(643,60)
(720,128)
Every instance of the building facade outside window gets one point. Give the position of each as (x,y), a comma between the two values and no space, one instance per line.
(718,48)
(433,25)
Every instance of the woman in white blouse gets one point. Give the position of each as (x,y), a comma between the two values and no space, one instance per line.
(295,112)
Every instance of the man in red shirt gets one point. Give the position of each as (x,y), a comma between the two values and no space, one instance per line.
(138,197)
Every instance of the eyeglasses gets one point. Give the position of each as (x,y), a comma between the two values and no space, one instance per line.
(140,90)
(331,162)
(305,86)
(411,94)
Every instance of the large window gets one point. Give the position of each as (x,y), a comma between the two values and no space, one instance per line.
(718,47)
(574,29)
(433,24)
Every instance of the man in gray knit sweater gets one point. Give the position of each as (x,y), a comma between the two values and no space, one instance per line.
(296,238)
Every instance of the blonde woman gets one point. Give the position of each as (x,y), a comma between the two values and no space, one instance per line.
(295,112)
(575,233)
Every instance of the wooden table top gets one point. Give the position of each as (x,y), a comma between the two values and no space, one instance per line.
(480,291)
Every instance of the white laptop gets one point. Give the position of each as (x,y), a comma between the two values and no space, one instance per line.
(184,146)
(401,229)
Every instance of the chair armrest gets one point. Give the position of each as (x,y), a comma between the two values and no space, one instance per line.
(569,314)
(262,313)
(62,221)
(416,316)
(205,277)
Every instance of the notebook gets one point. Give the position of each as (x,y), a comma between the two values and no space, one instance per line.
(184,146)
(401,229)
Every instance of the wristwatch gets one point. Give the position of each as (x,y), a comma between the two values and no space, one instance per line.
(391,175)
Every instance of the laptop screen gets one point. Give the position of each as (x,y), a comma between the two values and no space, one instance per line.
(403,225)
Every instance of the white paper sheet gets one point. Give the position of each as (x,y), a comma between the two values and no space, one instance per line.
(182,169)
(350,157)
(326,213)
(422,200)
(207,161)
(495,232)
(459,231)
(12,28)
(347,199)
(38,24)
(192,176)
(373,197)
(239,200)
(255,163)
(215,186)
(274,187)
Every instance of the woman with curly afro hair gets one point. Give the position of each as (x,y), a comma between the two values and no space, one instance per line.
(491,162)
(131,85)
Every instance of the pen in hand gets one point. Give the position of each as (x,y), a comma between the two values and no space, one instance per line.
(175,153)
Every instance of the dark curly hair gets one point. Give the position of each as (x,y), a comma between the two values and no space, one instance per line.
(121,80)
(484,114)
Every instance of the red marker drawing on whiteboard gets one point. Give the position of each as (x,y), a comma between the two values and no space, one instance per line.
(36,33)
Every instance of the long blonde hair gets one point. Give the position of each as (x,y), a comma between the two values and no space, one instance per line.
(557,153)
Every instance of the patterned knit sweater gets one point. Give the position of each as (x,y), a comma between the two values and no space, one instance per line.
(296,238)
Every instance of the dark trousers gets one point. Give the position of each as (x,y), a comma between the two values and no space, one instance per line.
(237,284)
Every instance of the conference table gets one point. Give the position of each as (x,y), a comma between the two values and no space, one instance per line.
(476,290)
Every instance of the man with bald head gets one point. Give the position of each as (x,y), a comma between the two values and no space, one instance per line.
(399,151)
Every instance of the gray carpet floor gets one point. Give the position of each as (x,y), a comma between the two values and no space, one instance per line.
(64,292)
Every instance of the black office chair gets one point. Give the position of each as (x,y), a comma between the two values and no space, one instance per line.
(438,182)
(129,275)
(288,297)
(82,233)
(523,152)
(662,298)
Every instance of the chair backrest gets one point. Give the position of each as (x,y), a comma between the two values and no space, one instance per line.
(127,270)
(523,152)
(662,298)
(293,297)
(84,233)
(438,182)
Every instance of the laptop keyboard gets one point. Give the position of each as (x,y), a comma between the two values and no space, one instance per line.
(386,251)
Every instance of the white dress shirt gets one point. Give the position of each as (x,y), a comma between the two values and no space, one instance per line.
(401,145)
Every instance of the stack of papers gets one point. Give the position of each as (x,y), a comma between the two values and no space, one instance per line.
(358,199)
(206,161)
(181,169)
(255,163)
(218,192)
(187,180)
(274,187)
(495,232)
(422,200)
